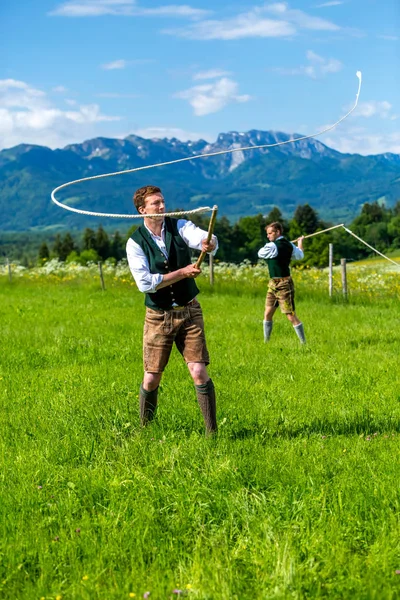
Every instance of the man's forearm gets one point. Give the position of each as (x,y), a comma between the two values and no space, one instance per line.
(170,278)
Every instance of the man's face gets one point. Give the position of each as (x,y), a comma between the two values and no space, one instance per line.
(273,234)
(153,205)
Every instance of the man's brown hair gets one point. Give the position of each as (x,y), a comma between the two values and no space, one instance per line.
(139,197)
(276,226)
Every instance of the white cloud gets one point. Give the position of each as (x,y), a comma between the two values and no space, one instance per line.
(116,64)
(374,108)
(59,89)
(211,74)
(15,93)
(332,3)
(317,66)
(299,17)
(121,63)
(212,97)
(70,102)
(244,26)
(360,141)
(172,132)
(27,116)
(392,38)
(174,10)
(97,8)
(92,8)
(268,20)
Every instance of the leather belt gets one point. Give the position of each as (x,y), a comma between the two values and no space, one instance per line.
(183,307)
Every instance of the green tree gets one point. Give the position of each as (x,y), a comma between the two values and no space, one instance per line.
(67,246)
(396,209)
(102,246)
(316,249)
(44,253)
(394,231)
(226,243)
(57,246)
(131,231)
(89,239)
(117,248)
(85,257)
(276,215)
(73,257)
(370,213)
(249,236)
(307,219)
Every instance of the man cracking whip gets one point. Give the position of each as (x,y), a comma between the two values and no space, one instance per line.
(278,253)
(160,262)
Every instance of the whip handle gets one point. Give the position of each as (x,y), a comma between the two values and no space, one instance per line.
(209,235)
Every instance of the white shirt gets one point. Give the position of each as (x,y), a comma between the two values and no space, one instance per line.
(147,282)
(270,250)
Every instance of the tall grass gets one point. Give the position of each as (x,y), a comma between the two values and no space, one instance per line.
(297,497)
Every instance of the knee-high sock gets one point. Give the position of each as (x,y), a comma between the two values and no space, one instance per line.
(206,398)
(299,329)
(148,404)
(267,330)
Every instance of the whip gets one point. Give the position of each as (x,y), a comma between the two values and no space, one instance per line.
(179,160)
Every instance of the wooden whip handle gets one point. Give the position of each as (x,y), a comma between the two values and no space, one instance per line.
(209,235)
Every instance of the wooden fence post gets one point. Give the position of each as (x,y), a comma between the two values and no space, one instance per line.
(9,270)
(211,263)
(330,270)
(344,277)
(103,287)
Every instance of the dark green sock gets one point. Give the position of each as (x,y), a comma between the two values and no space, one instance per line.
(206,398)
(148,404)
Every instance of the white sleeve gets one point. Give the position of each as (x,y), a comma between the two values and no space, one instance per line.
(270,250)
(139,265)
(297,254)
(193,235)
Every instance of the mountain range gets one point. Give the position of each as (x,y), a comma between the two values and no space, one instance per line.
(240,183)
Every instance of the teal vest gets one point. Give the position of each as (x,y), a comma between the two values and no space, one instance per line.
(279,266)
(179,256)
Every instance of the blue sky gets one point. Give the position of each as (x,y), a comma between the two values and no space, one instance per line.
(79,69)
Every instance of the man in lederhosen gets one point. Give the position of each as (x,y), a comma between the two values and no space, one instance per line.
(160,262)
(278,253)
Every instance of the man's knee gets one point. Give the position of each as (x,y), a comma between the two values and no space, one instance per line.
(198,371)
(151,380)
(293,318)
(269,313)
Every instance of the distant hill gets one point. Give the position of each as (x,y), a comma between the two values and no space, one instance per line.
(241,183)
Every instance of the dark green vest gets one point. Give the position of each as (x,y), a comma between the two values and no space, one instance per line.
(279,266)
(179,293)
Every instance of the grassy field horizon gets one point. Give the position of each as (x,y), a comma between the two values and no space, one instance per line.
(297,497)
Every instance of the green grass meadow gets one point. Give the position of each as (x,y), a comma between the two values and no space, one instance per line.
(297,497)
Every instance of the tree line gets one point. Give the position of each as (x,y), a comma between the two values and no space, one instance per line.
(376,224)
(94,246)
